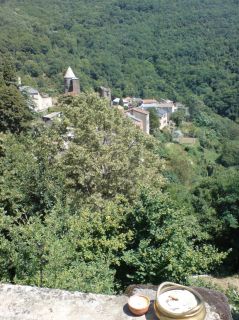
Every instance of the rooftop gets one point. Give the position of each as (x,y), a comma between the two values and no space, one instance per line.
(139,110)
(166,105)
(149,101)
(149,105)
(52,115)
(28,90)
(70,74)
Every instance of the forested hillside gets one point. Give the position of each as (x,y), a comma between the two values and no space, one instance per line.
(153,48)
(110,205)
(90,202)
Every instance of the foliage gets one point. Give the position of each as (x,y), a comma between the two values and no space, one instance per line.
(44,254)
(168,242)
(230,154)
(216,202)
(115,158)
(65,204)
(91,199)
(178,117)
(147,49)
(231,292)
(15,115)
(153,121)
(7,71)
(30,181)
(221,128)
(180,164)
(233,297)
(81,213)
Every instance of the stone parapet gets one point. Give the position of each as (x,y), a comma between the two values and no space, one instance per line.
(32,303)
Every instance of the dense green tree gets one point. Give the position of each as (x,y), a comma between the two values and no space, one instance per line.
(216,202)
(70,250)
(178,117)
(153,120)
(230,153)
(29,182)
(121,102)
(7,70)
(168,242)
(115,157)
(15,115)
(64,217)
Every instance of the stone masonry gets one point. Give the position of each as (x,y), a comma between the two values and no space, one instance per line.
(32,303)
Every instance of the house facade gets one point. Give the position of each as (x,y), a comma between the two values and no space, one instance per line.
(163,118)
(141,115)
(137,122)
(168,106)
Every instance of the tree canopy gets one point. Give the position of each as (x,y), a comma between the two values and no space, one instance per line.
(154,48)
(15,115)
(88,212)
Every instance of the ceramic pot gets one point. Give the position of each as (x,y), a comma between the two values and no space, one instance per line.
(138,309)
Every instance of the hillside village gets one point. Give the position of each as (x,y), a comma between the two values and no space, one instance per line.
(122,169)
(135,108)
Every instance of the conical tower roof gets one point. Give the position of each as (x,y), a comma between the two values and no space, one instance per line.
(70,74)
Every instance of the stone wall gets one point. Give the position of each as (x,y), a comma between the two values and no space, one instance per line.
(32,303)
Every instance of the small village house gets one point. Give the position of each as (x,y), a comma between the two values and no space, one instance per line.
(38,102)
(141,115)
(149,103)
(126,102)
(137,122)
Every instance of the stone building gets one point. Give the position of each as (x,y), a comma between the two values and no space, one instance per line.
(36,101)
(71,83)
(166,105)
(137,122)
(140,115)
(163,118)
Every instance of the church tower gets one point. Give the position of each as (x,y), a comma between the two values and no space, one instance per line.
(71,82)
